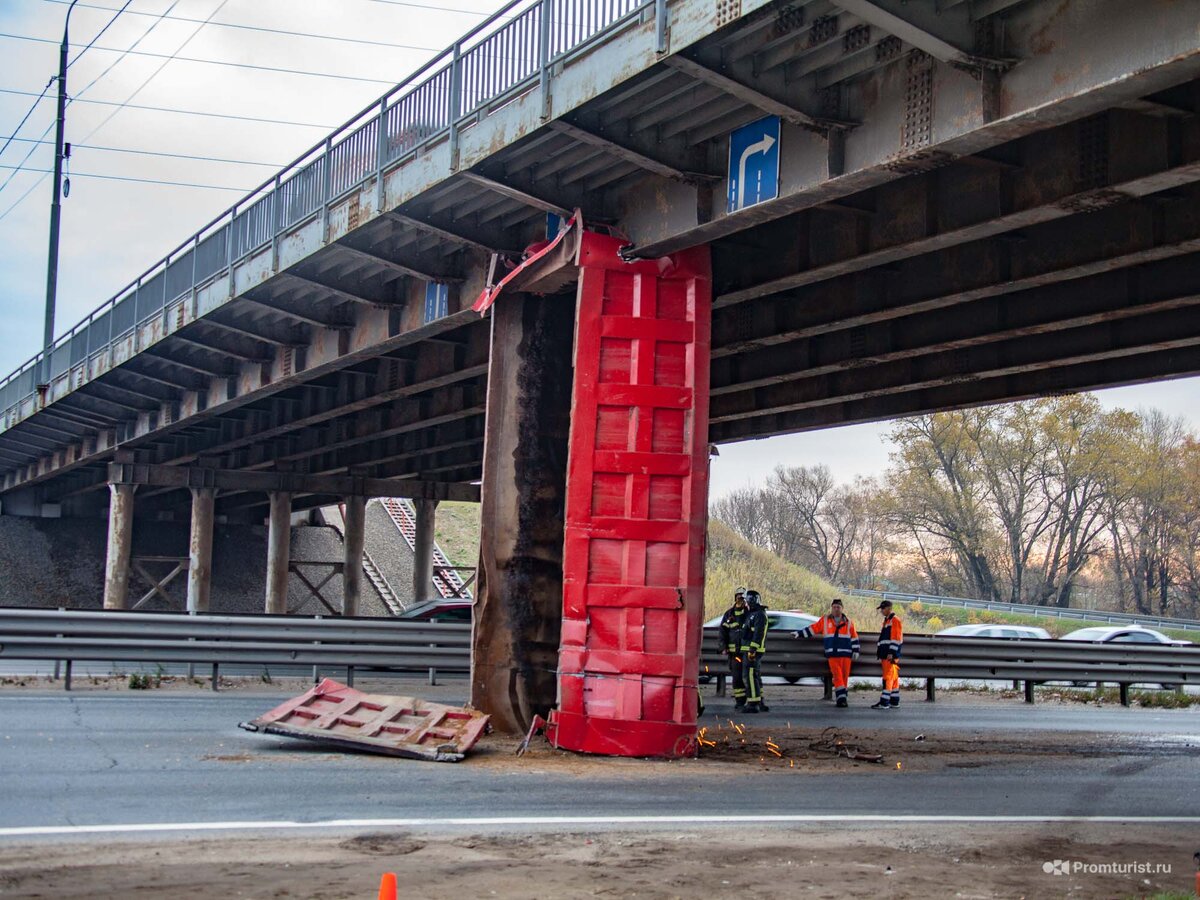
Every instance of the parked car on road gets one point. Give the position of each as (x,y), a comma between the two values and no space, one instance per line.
(785,621)
(1027,632)
(1122,634)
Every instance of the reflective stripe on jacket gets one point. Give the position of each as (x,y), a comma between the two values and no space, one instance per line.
(754,631)
(731,628)
(840,636)
(891,638)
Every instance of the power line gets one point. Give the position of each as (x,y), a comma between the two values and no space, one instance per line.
(210,62)
(107,25)
(216,159)
(264,30)
(450,9)
(12,137)
(214,187)
(182,112)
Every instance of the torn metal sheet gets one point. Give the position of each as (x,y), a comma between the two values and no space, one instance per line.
(333,713)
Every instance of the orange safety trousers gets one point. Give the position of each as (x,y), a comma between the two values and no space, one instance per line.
(891,675)
(839,668)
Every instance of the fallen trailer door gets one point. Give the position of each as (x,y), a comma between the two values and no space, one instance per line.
(333,713)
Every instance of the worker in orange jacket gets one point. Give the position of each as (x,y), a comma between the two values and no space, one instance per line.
(841,647)
(891,640)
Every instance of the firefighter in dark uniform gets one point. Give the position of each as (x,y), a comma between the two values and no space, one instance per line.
(754,645)
(731,645)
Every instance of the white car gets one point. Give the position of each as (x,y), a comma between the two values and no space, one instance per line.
(1026,632)
(1122,634)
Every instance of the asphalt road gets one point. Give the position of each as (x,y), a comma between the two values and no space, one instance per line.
(121,758)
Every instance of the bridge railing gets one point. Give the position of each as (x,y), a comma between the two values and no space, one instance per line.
(1029,609)
(85,635)
(513,51)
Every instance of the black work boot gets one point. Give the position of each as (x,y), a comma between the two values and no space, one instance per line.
(762,707)
(752,708)
(842,702)
(881,704)
(739,703)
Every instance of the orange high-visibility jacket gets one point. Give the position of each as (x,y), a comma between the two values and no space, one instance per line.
(840,637)
(891,638)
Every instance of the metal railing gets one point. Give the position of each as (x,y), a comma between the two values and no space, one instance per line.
(1028,609)
(515,50)
(75,635)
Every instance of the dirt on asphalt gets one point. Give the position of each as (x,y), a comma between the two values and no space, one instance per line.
(918,861)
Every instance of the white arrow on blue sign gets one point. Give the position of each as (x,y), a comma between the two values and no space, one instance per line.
(754,163)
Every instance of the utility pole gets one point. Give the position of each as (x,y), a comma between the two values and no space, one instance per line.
(56,203)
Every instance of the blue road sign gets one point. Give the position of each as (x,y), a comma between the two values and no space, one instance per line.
(437,300)
(754,163)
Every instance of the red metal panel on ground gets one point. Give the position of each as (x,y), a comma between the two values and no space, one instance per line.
(637,493)
(397,726)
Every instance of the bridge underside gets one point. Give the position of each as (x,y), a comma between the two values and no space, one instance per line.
(995,201)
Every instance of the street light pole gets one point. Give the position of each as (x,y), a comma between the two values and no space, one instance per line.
(56,203)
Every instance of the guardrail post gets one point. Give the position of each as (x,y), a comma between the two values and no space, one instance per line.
(216,677)
(720,685)
(67,676)
(57,667)
(931,690)
(350,676)
(1124,687)
(1028,691)
(828,682)
(433,673)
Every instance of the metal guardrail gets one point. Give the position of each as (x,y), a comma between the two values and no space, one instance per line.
(516,49)
(76,635)
(1053,612)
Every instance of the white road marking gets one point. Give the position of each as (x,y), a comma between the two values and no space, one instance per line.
(579,821)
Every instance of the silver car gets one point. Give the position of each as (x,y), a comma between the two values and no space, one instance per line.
(1026,632)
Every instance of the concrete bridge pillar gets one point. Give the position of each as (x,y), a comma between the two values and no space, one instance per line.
(426,519)
(518,606)
(200,546)
(355,523)
(279,536)
(120,545)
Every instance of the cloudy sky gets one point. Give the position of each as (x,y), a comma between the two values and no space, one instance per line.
(215,57)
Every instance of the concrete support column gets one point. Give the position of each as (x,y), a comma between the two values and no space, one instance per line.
(423,550)
(120,545)
(519,594)
(355,518)
(279,536)
(200,546)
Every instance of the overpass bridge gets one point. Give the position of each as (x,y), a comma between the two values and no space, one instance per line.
(810,214)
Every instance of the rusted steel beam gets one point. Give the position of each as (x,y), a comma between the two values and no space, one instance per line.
(1150,366)
(518,606)
(279,540)
(392,264)
(517,194)
(200,547)
(926,29)
(1014,357)
(353,541)
(120,545)
(1167,286)
(962,203)
(1116,238)
(624,153)
(286,482)
(749,95)
(442,233)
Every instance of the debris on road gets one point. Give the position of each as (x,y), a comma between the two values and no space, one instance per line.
(334,713)
(737,743)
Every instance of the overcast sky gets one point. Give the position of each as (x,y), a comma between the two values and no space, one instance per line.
(115,230)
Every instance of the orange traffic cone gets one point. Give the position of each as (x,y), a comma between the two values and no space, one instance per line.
(387,886)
